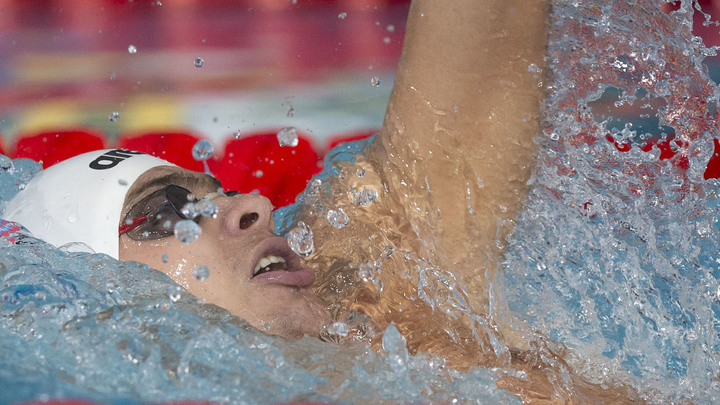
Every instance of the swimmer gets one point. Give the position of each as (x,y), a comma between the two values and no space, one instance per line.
(450,168)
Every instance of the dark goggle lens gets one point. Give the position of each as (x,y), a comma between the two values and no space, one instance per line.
(161,210)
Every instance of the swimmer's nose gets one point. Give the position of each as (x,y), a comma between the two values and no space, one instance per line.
(249,212)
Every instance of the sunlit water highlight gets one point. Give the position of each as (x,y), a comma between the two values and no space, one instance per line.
(615,257)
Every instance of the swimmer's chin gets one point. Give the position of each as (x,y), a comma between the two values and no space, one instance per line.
(311,320)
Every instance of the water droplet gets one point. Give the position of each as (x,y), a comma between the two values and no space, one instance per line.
(189,211)
(132,49)
(365,197)
(533,68)
(342,15)
(72,219)
(390,28)
(187,231)
(165,258)
(386,40)
(113,76)
(122,182)
(203,150)
(199,62)
(288,137)
(206,208)
(174,293)
(339,328)
(300,239)
(366,272)
(375,81)
(259,174)
(337,218)
(201,272)
(114,116)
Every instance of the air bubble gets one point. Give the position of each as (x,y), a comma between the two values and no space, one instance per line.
(339,329)
(337,218)
(114,116)
(203,150)
(201,272)
(300,239)
(365,197)
(132,49)
(199,62)
(375,81)
(288,137)
(187,231)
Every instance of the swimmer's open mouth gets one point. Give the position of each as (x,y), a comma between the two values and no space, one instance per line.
(269,263)
(276,263)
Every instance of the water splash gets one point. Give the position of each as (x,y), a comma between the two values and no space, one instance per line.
(615,254)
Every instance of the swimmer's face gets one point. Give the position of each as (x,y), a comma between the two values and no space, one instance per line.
(231,246)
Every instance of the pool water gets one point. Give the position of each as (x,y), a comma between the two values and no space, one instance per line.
(614,258)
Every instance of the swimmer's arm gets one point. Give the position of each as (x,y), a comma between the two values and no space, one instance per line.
(463,112)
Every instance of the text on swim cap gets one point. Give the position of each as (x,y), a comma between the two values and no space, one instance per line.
(110,159)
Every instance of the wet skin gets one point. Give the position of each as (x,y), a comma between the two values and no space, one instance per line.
(279,302)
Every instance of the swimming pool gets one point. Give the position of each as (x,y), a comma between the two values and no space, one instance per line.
(614,257)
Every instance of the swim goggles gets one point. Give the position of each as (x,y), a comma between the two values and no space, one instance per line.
(156,215)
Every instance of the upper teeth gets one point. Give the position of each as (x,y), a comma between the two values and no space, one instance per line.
(266,261)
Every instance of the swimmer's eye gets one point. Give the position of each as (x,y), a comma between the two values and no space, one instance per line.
(155,216)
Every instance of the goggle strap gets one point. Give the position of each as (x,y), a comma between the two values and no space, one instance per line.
(125,228)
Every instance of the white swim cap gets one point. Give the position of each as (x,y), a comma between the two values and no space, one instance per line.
(81,199)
